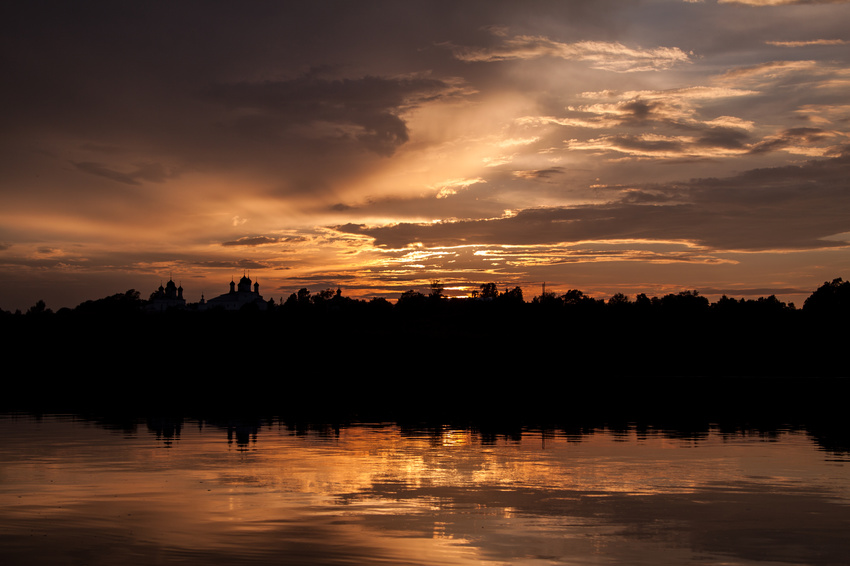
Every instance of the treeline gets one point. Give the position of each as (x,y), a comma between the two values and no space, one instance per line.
(832,299)
(426,354)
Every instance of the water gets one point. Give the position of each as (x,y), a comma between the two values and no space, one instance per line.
(191,492)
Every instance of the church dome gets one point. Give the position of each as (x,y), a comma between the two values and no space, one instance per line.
(244,284)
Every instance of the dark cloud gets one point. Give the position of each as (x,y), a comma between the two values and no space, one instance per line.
(279,91)
(103,171)
(540,173)
(252,241)
(773,3)
(726,138)
(371,103)
(232,264)
(153,172)
(640,196)
(474,202)
(642,144)
(638,110)
(754,291)
(49,263)
(788,138)
(790,208)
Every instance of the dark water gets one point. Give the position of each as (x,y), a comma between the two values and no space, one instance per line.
(191,492)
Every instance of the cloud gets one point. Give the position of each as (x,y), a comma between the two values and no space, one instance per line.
(767,3)
(152,172)
(252,241)
(47,250)
(366,110)
(784,208)
(672,124)
(771,72)
(231,264)
(768,69)
(648,108)
(608,56)
(826,114)
(452,186)
(754,291)
(646,145)
(808,42)
(252,127)
(713,142)
(790,138)
(539,174)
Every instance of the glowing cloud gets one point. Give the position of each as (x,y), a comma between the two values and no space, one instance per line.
(608,56)
(808,43)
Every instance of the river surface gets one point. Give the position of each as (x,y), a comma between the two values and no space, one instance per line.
(75,491)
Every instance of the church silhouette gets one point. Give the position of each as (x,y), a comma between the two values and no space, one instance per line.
(238,296)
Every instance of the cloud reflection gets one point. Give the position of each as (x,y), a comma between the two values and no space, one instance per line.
(445,496)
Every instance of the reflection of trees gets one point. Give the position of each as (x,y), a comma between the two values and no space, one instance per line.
(828,433)
(167,429)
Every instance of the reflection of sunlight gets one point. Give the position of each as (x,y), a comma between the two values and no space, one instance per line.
(453,437)
(442,496)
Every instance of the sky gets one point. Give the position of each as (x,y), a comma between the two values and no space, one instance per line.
(648,146)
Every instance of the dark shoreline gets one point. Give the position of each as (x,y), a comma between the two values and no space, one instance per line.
(503,361)
(660,403)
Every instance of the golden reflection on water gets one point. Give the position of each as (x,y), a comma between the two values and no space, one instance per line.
(72,492)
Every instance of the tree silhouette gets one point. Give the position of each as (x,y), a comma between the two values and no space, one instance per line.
(548,299)
(119,303)
(39,308)
(833,297)
(323,296)
(513,295)
(684,302)
(574,297)
(489,291)
(436,289)
(679,335)
(642,301)
(410,298)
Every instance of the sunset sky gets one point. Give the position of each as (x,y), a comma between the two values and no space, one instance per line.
(609,146)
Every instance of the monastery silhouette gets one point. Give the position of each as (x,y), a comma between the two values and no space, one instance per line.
(237,297)
(164,298)
(171,296)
